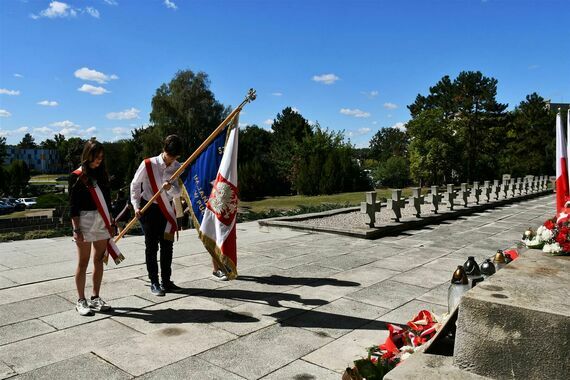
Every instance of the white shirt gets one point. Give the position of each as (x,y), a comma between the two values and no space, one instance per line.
(141,178)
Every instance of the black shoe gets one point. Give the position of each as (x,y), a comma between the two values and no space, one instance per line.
(169,286)
(156,289)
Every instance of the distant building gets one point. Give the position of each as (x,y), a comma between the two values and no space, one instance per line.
(555,106)
(41,160)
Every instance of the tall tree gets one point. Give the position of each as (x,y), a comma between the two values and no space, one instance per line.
(530,139)
(478,120)
(186,107)
(289,130)
(19,174)
(388,142)
(28,142)
(433,149)
(3,149)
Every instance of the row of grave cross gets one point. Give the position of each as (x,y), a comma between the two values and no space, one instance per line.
(487,192)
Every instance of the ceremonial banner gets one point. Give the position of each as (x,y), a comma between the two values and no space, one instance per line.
(561,166)
(211,189)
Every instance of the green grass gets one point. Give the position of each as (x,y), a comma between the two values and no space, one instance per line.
(287,203)
(46,179)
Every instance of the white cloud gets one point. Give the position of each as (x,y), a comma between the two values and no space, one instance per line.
(44,131)
(94,75)
(71,132)
(5,91)
(277,93)
(374,122)
(91,130)
(4,113)
(363,131)
(111,2)
(390,106)
(326,78)
(93,90)
(169,4)
(18,75)
(370,94)
(92,12)
(64,124)
(56,9)
(399,125)
(354,112)
(128,114)
(48,103)
(268,122)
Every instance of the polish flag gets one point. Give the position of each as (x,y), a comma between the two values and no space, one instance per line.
(561,166)
(219,221)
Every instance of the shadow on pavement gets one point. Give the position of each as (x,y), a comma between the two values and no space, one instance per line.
(310,281)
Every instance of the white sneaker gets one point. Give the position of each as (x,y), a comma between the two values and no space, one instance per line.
(98,304)
(220,275)
(83,308)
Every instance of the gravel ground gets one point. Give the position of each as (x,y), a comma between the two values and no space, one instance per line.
(385,216)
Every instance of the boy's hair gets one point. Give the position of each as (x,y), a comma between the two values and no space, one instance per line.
(173,145)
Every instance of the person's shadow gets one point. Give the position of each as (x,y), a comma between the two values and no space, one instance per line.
(172,316)
(308,281)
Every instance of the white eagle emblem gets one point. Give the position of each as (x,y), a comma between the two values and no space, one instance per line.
(223,200)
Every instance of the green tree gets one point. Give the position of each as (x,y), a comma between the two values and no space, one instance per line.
(478,120)
(3,149)
(389,142)
(325,164)
(19,174)
(433,151)
(72,149)
(48,144)
(121,162)
(289,130)
(186,107)
(257,177)
(530,139)
(28,142)
(394,172)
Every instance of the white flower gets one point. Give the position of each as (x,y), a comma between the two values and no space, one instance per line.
(551,248)
(546,234)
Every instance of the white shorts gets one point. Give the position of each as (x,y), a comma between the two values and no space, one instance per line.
(92,226)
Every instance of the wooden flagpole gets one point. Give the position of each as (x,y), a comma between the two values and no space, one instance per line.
(249,98)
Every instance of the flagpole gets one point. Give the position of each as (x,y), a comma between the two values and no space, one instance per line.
(249,98)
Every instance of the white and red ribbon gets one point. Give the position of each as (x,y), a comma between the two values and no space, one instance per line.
(163,202)
(99,200)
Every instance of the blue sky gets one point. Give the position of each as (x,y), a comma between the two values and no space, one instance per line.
(90,67)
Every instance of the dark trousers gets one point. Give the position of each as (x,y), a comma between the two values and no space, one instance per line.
(153,226)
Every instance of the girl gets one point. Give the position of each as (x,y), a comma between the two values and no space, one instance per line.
(90,231)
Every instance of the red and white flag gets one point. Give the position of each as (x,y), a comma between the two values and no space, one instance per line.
(561,166)
(219,221)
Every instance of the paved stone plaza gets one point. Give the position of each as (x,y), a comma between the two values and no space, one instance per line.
(304,306)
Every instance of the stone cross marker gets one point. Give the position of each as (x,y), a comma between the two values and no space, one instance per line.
(465,193)
(487,190)
(505,188)
(396,204)
(512,187)
(449,196)
(496,189)
(417,200)
(370,207)
(544,182)
(434,198)
(520,186)
(476,191)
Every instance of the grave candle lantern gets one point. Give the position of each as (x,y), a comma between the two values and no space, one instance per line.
(459,285)
(499,260)
(472,270)
(487,268)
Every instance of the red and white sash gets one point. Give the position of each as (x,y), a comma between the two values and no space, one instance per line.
(99,200)
(162,200)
